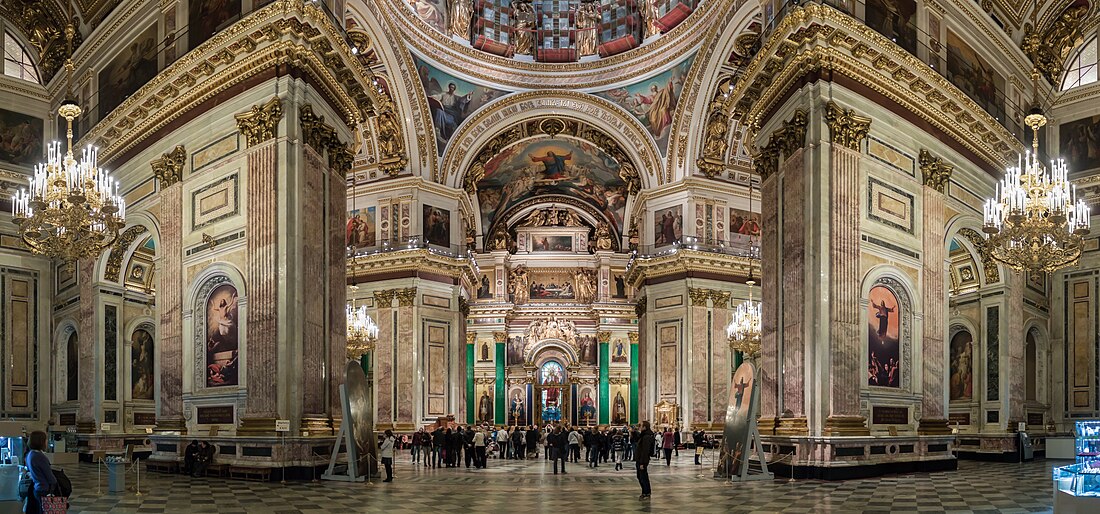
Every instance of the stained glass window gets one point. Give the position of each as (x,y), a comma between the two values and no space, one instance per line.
(552,373)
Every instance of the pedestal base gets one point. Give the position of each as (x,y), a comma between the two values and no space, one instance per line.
(256,427)
(173,425)
(855,426)
(85,427)
(840,458)
(317,425)
(933,427)
(792,427)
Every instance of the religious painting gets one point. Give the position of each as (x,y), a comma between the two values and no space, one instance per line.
(222,332)
(361,230)
(141,365)
(517,407)
(552,285)
(895,19)
(431,11)
(962,366)
(451,100)
(437,226)
(72,368)
(20,138)
(619,413)
(207,17)
(128,71)
(668,225)
(549,166)
(618,285)
(485,285)
(1079,144)
(653,101)
(973,76)
(514,351)
(620,351)
(552,373)
(551,243)
(883,338)
(359,417)
(484,352)
(744,225)
(485,403)
(740,415)
(586,411)
(588,350)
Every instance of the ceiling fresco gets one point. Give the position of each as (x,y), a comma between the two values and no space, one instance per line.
(549,166)
(451,100)
(653,101)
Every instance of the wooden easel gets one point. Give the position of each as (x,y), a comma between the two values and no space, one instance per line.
(351,473)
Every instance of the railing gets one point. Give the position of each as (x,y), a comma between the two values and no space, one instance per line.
(739,248)
(416,242)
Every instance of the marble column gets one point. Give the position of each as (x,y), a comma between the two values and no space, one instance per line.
(383,360)
(170,304)
(633,336)
(87,337)
(770,294)
(696,410)
(337,289)
(793,369)
(842,205)
(1012,349)
(314,269)
(501,397)
(936,175)
(405,365)
(471,340)
(643,368)
(720,360)
(604,341)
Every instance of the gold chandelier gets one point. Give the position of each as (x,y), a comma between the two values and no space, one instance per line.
(744,329)
(362,331)
(1035,222)
(71,209)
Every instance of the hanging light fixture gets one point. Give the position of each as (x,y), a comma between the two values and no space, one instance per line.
(71,209)
(362,330)
(1035,222)
(744,330)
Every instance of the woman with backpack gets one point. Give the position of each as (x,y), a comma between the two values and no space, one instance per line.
(41,474)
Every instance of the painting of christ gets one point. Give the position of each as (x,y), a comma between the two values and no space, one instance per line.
(883,338)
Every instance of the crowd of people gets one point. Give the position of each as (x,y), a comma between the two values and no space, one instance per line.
(439,446)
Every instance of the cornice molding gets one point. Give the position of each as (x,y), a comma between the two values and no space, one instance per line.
(361,268)
(690,261)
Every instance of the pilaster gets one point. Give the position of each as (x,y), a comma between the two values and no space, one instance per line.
(406,344)
(935,175)
(170,305)
(383,358)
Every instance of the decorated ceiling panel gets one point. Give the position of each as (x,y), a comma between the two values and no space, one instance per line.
(653,101)
(451,100)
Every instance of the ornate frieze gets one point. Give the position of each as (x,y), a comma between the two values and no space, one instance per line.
(846,128)
(118,251)
(384,299)
(169,168)
(985,253)
(261,122)
(934,171)
(406,297)
(361,268)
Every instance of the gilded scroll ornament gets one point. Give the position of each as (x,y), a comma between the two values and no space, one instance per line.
(1049,49)
(846,128)
(169,168)
(406,297)
(603,236)
(640,306)
(935,172)
(384,299)
(985,253)
(261,122)
(391,146)
(633,337)
(698,297)
(118,251)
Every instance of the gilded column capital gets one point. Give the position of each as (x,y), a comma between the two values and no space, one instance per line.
(500,337)
(793,134)
(846,128)
(384,298)
(633,337)
(406,297)
(463,306)
(261,122)
(935,172)
(603,337)
(471,337)
(698,296)
(169,168)
(640,306)
(721,299)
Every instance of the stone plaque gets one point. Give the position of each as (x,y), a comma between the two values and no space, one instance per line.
(145,418)
(216,415)
(67,419)
(889,415)
(959,418)
(1035,420)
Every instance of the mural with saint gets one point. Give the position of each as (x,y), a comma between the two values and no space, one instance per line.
(653,101)
(361,229)
(128,71)
(222,332)
(20,138)
(883,338)
(141,365)
(962,366)
(450,100)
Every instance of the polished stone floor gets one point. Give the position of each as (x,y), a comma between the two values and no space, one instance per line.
(531,487)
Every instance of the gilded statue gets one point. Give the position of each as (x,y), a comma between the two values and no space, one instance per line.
(501,239)
(584,284)
(459,14)
(603,236)
(517,285)
(586,16)
(523,36)
(716,144)
(650,14)
(389,135)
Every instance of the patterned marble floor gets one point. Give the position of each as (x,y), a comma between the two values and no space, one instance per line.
(531,487)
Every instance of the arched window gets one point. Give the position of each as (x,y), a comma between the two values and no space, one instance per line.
(17,62)
(1081,69)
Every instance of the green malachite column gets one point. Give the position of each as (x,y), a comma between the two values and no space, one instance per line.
(470,399)
(738,358)
(633,379)
(605,391)
(365,362)
(501,407)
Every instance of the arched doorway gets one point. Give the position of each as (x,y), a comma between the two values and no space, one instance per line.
(551,392)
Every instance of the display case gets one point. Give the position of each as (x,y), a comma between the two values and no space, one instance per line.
(1077,487)
(1087,444)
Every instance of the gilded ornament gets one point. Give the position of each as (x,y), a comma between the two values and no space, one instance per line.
(459,15)
(517,285)
(603,336)
(384,299)
(391,147)
(640,306)
(406,297)
(1049,50)
(698,297)
(463,306)
(261,122)
(500,337)
(586,16)
(118,251)
(633,337)
(603,236)
(169,168)
(471,337)
(846,128)
(523,27)
(985,253)
(934,171)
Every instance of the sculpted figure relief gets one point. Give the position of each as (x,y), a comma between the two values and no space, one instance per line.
(650,14)
(459,15)
(584,283)
(522,36)
(586,16)
(517,285)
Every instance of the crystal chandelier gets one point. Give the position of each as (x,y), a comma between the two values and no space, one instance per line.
(744,329)
(362,330)
(1035,222)
(71,209)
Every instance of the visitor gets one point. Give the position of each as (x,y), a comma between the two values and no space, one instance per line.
(633,447)
(676,440)
(426,447)
(574,445)
(454,448)
(594,454)
(479,449)
(558,442)
(617,447)
(588,443)
(542,441)
(532,441)
(468,446)
(503,438)
(43,482)
(699,438)
(415,445)
(519,443)
(667,443)
(203,458)
(641,459)
(605,445)
(439,439)
(189,456)
(386,451)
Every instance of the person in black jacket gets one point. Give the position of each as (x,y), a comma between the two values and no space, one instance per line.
(189,455)
(454,449)
(597,447)
(533,440)
(558,442)
(519,443)
(437,447)
(676,440)
(641,459)
(468,440)
(589,442)
(699,438)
